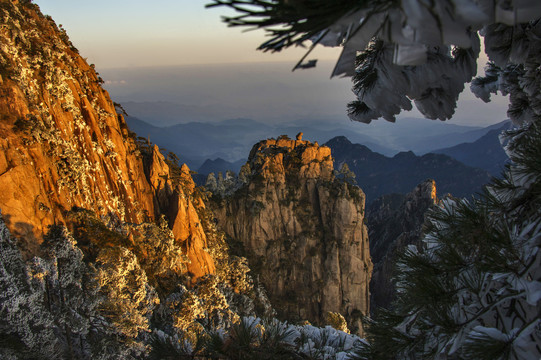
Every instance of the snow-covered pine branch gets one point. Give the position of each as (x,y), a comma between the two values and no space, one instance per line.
(417,59)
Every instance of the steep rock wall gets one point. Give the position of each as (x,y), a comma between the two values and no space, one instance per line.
(302,230)
(394,222)
(62,144)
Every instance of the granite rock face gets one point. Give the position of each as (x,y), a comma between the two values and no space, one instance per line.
(63,145)
(394,222)
(302,230)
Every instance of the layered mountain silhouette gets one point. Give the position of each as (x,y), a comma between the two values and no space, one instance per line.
(486,152)
(217,147)
(220,165)
(377,174)
(232,139)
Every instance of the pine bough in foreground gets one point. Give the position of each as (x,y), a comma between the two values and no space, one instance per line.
(406,51)
(473,291)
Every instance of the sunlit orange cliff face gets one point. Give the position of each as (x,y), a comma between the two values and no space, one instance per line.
(63,145)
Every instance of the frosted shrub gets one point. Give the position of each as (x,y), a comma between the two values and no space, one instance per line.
(272,339)
(130,299)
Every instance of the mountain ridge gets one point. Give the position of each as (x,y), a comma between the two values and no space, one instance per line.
(377,174)
(387,139)
(63,145)
(486,152)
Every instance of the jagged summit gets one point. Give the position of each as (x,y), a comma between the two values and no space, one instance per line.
(273,158)
(302,230)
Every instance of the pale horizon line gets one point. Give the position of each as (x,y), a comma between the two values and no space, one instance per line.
(237,63)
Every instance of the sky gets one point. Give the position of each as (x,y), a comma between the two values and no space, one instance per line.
(178,51)
(135,33)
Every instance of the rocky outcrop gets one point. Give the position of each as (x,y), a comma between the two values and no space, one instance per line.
(302,230)
(394,222)
(62,144)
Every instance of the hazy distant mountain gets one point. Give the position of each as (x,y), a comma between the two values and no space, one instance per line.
(196,142)
(377,174)
(220,165)
(485,153)
(408,133)
(232,139)
(323,131)
(165,113)
(421,135)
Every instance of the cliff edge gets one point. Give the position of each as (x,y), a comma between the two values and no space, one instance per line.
(394,222)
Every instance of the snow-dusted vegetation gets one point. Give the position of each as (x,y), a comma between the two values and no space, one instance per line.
(97,289)
(473,289)
(64,305)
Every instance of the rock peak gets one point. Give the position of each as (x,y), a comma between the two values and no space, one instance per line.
(302,229)
(426,191)
(273,158)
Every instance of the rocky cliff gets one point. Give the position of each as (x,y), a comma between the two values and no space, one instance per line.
(394,222)
(301,228)
(63,146)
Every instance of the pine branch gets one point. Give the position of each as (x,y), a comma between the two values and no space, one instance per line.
(292,22)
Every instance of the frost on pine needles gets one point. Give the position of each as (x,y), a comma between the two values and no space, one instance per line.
(473,290)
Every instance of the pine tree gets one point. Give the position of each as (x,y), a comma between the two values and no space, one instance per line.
(129,297)
(473,291)
(211,183)
(158,254)
(26,327)
(70,290)
(346,175)
(408,50)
